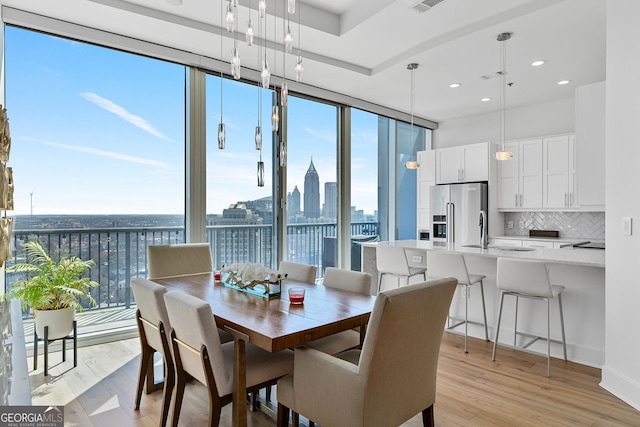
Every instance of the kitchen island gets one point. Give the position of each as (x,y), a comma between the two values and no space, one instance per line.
(581,271)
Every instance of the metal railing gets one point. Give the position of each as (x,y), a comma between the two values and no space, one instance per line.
(120,254)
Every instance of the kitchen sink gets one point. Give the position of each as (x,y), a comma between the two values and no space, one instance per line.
(513,248)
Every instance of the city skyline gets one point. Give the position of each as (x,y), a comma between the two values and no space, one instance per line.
(89,122)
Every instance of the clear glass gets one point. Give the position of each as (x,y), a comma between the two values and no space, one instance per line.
(291,7)
(235,64)
(288,40)
(275,118)
(265,74)
(283,154)
(249,34)
(260,174)
(312,165)
(258,137)
(90,152)
(239,214)
(262,8)
(222,136)
(230,18)
(298,68)
(284,94)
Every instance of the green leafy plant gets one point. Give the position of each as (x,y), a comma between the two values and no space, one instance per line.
(51,285)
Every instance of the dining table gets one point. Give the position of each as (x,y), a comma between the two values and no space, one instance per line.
(273,324)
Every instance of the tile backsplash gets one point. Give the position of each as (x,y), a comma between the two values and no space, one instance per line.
(587,225)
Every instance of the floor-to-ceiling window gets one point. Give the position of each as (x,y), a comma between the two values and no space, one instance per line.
(312,185)
(97,154)
(239,211)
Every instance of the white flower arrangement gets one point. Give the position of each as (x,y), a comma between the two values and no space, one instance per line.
(251,272)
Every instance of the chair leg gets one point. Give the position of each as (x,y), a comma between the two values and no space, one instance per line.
(548,339)
(181,382)
(484,312)
(380,281)
(466,317)
(564,341)
(268,393)
(145,359)
(515,323)
(295,419)
(495,343)
(169,383)
(283,416)
(427,417)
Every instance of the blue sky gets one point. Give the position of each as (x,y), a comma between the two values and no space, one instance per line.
(100,131)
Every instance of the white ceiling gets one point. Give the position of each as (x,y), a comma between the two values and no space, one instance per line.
(361,48)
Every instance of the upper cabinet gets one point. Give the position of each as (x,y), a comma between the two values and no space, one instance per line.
(520,178)
(590,146)
(466,163)
(558,178)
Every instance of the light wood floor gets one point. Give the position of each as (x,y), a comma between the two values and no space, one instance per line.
(472,391)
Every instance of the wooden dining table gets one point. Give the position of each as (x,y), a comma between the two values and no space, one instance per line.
(273,324)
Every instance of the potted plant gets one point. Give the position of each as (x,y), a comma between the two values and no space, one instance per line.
(52,289)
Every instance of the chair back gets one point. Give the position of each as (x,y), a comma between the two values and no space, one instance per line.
(347,280)
(299,272)
(447,264)
(150,300)
(523,276)
(399,357)
(179,260)
(392,260)
(194,325)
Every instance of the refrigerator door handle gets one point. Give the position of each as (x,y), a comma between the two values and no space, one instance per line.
(451,221)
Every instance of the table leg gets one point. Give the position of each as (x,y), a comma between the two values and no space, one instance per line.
(239,416)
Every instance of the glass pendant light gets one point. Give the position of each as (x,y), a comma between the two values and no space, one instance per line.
(235,63)
(260,173)
(231,19)
(249,33)
(288,40)
(412,164)
(284,94)
(291,6)
(275,118)
(258,137)
(262,8)
(283,154)
(298,69)
(265,74)
(222,132)
(502,38)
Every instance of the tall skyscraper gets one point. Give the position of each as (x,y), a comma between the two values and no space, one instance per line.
(293,203)
(330,207)
(311,192)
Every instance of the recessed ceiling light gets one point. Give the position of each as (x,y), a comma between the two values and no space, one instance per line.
(485,99)
(175,2)
(538,63)
(455,85)
(564,82)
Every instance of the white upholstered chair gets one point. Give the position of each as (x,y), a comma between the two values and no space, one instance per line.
(390,380)
(182,259)
(199,354)
(154,329)
(298,272)
(347,280)
(450,264)
(528,279)
(392,260)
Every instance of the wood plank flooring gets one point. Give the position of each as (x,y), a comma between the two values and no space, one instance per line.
(472,390)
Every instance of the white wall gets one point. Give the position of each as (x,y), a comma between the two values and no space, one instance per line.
(549,118)
(621,372)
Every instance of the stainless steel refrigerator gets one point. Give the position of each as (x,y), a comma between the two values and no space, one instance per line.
(455,212)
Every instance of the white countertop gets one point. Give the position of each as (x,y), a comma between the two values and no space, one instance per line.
(545,239)
(570,255)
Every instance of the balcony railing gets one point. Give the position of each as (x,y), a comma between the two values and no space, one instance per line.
(121,253)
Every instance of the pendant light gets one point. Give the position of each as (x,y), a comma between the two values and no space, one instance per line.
(412,164)
(298,68)
(222,133)
(502,38)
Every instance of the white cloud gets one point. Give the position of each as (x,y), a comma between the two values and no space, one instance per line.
(124,114)
(102,153)
(328,136)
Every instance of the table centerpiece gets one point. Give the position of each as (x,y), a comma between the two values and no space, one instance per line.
(252,278)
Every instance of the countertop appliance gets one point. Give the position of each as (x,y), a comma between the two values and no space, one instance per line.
(455,209)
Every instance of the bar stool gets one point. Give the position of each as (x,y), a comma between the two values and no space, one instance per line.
(528,279)
(392,260)
(449,264)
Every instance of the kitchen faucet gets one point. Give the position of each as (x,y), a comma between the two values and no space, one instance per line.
(482,222)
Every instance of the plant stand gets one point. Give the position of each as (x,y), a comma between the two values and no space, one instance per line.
(46,340)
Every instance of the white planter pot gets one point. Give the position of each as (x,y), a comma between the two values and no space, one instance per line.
(60,322)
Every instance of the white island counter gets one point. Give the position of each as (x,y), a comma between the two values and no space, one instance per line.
(581,271)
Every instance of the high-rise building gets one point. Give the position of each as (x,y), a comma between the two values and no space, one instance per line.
(330,207)
(311,192)
(293,203)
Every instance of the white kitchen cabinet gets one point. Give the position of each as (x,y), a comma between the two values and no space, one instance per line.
(590,146)
(506,242)
(465,163)
(520,178)
(426,177)
(558,172)
(537,244)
